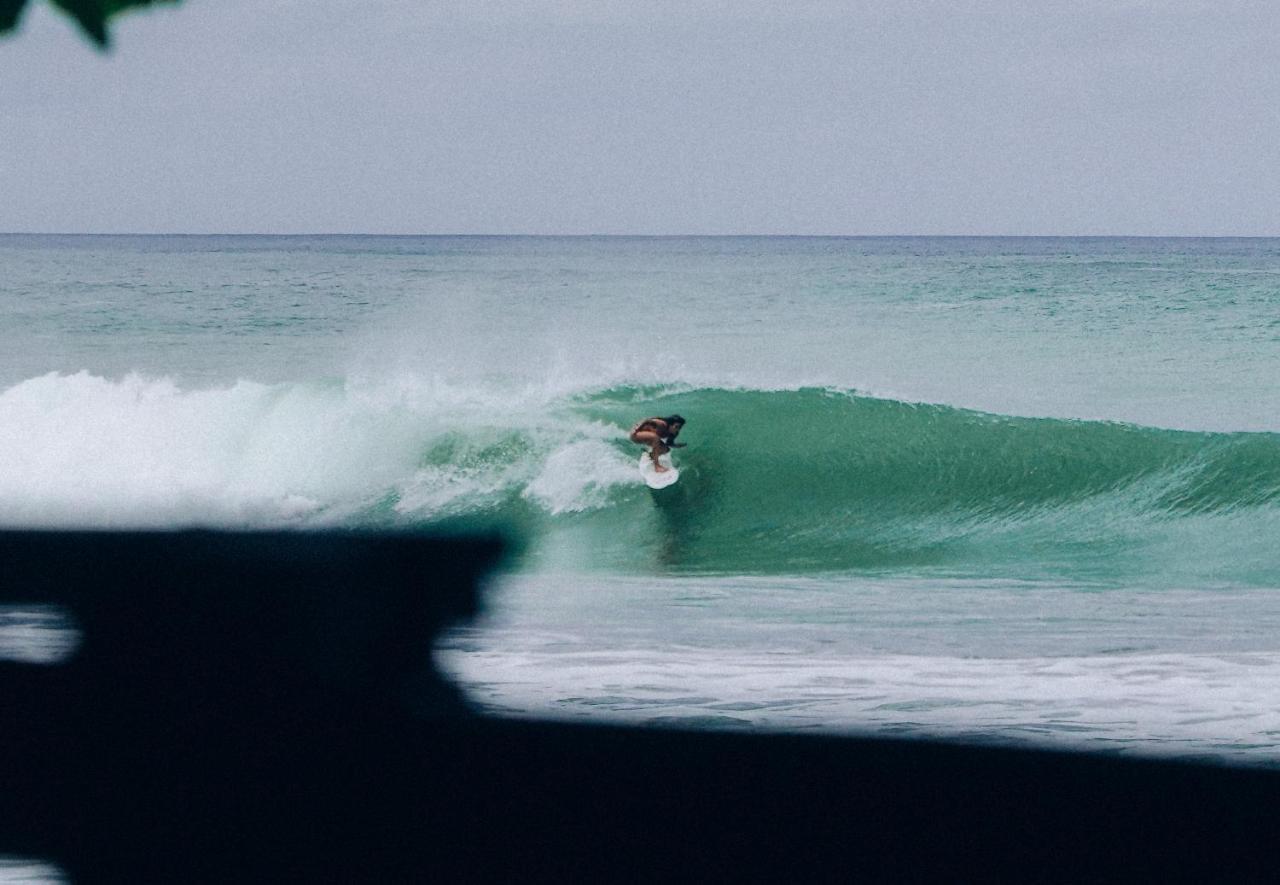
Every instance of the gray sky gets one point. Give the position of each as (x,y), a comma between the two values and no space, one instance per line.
(515,116)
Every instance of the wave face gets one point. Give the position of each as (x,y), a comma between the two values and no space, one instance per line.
(813,480)
(773,481)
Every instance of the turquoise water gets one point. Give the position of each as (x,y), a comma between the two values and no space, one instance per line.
(1015,489)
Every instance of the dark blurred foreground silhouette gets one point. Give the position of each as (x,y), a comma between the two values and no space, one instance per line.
(93,16)
(263,707)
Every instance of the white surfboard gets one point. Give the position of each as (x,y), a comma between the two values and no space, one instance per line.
(652,478)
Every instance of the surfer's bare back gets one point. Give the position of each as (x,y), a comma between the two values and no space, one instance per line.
(659,434)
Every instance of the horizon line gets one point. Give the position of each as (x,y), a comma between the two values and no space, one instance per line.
(652,236)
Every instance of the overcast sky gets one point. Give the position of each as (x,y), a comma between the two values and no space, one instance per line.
(515,116)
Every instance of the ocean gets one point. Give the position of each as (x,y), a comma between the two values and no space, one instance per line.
(1011,490)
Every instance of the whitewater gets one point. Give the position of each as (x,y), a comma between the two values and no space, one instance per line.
(1014,490)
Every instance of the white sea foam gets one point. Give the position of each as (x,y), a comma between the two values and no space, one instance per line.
(580,476)
(1051,664)
(86,450)
(1181,705)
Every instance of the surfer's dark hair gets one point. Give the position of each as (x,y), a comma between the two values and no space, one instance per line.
(673,419)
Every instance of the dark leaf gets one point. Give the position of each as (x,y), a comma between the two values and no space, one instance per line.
(91,15)
(10,12)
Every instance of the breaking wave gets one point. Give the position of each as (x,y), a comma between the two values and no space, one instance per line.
(773,481)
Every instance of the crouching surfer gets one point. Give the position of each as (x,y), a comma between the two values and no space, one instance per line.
(659,434)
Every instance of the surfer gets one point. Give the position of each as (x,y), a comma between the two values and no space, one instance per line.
(659,434)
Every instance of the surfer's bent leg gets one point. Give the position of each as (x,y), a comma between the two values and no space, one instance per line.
(651,439)
(655,453)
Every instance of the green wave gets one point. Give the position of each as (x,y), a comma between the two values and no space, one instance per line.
(812,480)
(805,480)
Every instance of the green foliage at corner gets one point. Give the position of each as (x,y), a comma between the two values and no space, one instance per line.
(91,15)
